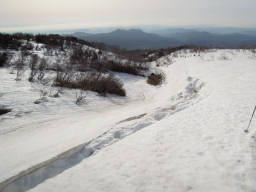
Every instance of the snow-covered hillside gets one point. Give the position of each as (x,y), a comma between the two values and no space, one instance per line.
(186,135)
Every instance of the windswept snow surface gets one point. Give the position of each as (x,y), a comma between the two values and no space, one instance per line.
(187,135)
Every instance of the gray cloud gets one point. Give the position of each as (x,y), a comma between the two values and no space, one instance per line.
(26,14)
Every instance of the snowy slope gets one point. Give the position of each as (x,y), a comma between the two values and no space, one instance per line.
(187,135)
(36,134)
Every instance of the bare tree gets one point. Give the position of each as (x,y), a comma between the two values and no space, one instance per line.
(33,67)
(19,65)
(3,59)
(41,69)
(80,98)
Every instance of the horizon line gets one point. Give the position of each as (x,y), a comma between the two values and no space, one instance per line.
(77,27)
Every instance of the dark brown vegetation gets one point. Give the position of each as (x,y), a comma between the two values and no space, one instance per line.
(4,111)
(93,81)
(3,59)
(16,41)
(127,67)
(156,79)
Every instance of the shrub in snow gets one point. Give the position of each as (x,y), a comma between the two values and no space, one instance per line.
(33,67)
(93,81)
(41,69)
(127,67)
(4,111)
(156,79)
(8,41)
(19,65)
(3,59)
(80,98)
(41,100)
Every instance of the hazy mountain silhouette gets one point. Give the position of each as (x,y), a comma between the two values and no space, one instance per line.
(214,40)
(138,39)
(130,39)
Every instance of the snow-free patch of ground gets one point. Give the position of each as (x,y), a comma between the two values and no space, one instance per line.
(187,135)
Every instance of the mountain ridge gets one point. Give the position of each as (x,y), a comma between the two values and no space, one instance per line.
(138,39)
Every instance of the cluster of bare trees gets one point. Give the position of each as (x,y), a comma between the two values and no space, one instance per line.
(82,59)
(88,60)
(20,65)
(37,67)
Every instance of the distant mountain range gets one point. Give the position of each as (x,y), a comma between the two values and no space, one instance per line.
(173,37)
(130,39)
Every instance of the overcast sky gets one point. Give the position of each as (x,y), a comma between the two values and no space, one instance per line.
(60,14)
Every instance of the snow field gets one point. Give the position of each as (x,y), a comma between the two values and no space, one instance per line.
(187,135)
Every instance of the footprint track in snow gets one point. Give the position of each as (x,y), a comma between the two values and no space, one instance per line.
(32,177)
